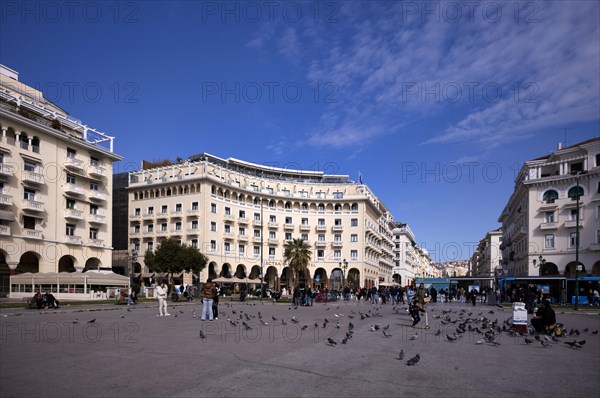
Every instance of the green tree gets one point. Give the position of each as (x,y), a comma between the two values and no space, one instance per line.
(173,258)
(296,254)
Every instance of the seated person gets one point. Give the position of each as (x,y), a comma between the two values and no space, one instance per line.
(37,299)
(51,301)
(544,317)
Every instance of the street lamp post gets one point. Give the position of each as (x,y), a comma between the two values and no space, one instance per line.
(133,257)
(577,174)
(262,230)
(542,262)
(344,266)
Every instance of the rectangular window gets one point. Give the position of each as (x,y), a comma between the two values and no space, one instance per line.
(549,216)
(29,165)
(213,226)
(70,230)
(194,205)
(288,236)
(256,250)
(573,215)
(151,246)
(178,226)
(242,231)
(338,222)
(354,222)
(321,237)
(94,161)
(254,188)
(70,204)
(136,247)
(337,238)
(71,179)
(354,238)
(93,185)
(270,191)
(241,250)
(213,245)
(288,220)
(213,208)
(573,239)
(303,194)
(549,241)
(137,211)
(93,209)
(321,221)
(272,251)
(305,221)
(321,195)
(136,228)
(195,224)
(354,254)
(28,222)
(178,207)
(304,237)
(227,228)
(71,153)
(337,254)
(272,235)
(194,243)
(93,233)
(151,210)
(164,209)
(257,233)
(272,218)
(242,213)
(286,192)
(227,247)
(256,216)
(29,194)
(338,195)
(320,254)
(227,211)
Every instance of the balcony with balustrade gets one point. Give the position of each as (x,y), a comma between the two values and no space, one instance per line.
(32,205)
(5,200)
(6,169)
(74,164)
(5,230)
(73,214)
(32,234)
(97,171)
(33,177)
(97,219)
(72,240)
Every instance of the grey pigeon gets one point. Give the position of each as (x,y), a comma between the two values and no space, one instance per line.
(202,335)
(331,341)
(413,361)
(401,355)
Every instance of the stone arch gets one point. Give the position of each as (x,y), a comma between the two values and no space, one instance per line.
(336,279)
(549,269)
(254,272)
(93,263)
(397,278)
(570,270)
(286,278)
(240,271)
(29,262)
(225,271)
(353,278)
(320,278)
(271,277)
(67,264)
(212,272)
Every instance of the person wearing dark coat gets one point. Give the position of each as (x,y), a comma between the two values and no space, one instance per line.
(544,317)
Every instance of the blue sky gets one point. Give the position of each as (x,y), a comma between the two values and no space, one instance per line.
(437,105)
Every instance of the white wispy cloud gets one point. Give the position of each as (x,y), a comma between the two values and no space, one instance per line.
(513,78)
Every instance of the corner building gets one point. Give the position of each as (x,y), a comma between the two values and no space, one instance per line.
(55,186)
(239,213)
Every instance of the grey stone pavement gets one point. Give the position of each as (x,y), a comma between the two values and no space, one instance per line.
(136,354)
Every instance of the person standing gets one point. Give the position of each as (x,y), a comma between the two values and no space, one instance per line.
(161,295)
(473,296)
(414,310)
(208,293)
(215,304)
(421,294)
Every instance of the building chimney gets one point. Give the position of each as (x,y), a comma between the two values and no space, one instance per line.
(559,146)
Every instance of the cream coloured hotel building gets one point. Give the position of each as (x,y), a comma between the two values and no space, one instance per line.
(239,214)
(55,186)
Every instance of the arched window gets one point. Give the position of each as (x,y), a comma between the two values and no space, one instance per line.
(354,207)
(575,192)
(550,196)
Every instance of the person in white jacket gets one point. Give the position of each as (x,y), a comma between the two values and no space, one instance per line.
(161,294)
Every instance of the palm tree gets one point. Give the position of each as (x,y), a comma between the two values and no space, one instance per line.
(297,254)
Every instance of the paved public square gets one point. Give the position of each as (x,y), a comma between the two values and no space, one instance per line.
(59,353)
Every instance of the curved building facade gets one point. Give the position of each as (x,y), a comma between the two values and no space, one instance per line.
(240,215)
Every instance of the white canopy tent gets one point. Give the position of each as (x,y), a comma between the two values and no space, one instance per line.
(68,285)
